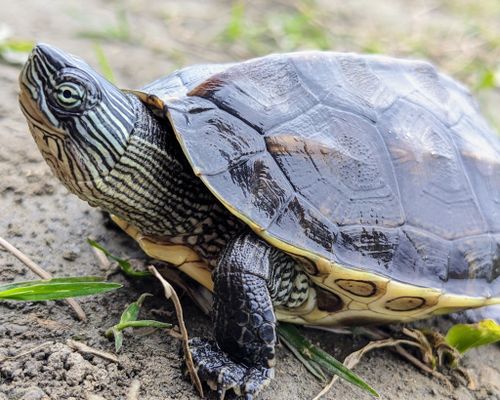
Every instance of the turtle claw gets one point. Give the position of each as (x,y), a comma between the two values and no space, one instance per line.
(222,374)
(221,392)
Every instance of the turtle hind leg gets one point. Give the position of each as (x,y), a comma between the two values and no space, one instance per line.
(242,357)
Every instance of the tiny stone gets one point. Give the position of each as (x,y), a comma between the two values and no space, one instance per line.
(70,255)
(14,230)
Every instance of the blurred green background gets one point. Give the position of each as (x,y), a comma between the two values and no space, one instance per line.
(138,40)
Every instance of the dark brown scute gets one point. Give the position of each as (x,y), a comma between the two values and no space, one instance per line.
(328,301)
(405,303)
(358,287)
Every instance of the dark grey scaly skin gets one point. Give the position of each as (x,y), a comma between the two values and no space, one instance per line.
(243,354)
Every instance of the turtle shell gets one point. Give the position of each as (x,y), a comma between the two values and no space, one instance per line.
(372,163)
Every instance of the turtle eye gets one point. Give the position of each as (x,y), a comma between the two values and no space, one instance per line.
(69,95)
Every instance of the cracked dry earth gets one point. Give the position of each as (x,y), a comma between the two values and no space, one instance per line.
(40,217)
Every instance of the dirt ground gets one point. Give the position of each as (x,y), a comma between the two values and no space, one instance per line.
(146,39)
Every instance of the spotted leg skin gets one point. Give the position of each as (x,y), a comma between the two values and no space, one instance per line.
(242,357)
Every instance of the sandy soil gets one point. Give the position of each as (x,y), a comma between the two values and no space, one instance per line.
(39,216)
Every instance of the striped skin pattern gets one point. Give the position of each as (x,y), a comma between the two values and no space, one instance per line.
(113,152)
(109,149)
(288,285)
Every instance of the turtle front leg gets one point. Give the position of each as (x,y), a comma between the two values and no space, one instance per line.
(242,356)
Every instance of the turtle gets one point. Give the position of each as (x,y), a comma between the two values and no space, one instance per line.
(317,188)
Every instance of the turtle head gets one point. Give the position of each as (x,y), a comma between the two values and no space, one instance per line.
(80,121)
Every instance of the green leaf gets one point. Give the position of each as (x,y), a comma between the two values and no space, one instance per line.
(467,336)
(143,323)
(128,319)
(132,311)
(292,338)
(124,264)
(55,289)
(118,335)
(487,79)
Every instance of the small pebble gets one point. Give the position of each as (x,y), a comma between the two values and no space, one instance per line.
(70,255)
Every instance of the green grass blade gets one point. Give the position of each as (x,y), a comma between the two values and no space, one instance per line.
(310,365)
(124,264)
(17,46)
(75,279)
(55,289)
(308,351)
(336,367)
(116,331)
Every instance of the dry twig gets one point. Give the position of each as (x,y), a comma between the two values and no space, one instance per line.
(354,358)
(83,348)
(197,293)
(24,353)
(419,364)
(378,334)
(171,294)
(41,273)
